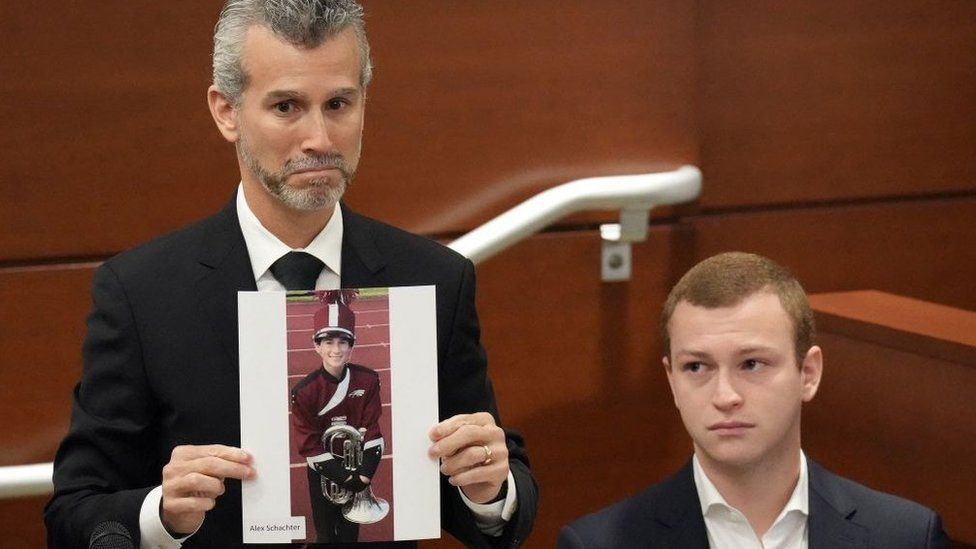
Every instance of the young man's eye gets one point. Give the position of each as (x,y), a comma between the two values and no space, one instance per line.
(752,364)
(692,367)
(284,107)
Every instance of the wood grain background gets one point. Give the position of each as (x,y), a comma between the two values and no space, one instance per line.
(838,138)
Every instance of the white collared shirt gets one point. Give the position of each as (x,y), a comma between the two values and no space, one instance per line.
(264,248)
(728,528)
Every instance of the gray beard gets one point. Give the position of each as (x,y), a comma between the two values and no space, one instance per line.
(321,193)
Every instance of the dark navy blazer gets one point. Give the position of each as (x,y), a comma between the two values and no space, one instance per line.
(843,515)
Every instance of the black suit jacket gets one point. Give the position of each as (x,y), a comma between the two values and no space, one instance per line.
(161,370)
(843,515)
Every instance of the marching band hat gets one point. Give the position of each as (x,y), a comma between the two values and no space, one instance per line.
(335,319)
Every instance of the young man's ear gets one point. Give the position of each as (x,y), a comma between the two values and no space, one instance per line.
(810,371)
(224,114)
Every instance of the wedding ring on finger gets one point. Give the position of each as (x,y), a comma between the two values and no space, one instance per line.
(487,460)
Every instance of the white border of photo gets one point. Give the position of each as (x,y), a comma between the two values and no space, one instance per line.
(266,500)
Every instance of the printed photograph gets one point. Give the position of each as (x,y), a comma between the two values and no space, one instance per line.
(338,395)
(340,414)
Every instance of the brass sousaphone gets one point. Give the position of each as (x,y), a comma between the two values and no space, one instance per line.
(360,507)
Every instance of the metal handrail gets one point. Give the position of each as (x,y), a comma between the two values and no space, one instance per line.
(628,193)
(26,480)
(623,192)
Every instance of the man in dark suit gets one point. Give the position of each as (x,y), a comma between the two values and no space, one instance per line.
(154,438)
(739,355)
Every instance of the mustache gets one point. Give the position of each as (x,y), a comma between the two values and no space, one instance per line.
(317,161)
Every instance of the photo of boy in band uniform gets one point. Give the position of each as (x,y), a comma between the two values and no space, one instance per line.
(338,393)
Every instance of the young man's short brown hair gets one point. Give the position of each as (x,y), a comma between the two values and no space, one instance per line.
(726,279)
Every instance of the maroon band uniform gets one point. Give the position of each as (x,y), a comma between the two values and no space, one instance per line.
(318,402)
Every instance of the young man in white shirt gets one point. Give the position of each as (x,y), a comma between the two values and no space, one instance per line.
(739,355)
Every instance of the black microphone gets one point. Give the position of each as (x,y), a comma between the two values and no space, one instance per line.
(110,535)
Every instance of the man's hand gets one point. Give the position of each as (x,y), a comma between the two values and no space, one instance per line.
(473,454)
(194,478)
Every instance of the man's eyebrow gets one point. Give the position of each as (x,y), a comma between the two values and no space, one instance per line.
(292,94)
(755,349)
(692,353)
(284,94)
(345,92)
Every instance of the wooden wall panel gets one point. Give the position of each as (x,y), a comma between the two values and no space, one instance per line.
(901,374)
(21,519)
(910,412)
(106,137)
(815,101)
(488,102)
(916,249)
(42,321)
(107,127)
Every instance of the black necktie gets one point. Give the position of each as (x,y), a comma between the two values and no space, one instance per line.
(297,270)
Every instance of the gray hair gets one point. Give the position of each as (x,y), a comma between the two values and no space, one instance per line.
(303,23)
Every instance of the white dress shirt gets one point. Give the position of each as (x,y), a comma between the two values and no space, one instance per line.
(728,528)
(264,248)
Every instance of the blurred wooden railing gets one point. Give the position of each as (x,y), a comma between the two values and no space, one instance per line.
(894,410)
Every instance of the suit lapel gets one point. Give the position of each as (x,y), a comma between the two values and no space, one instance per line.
(691,533)
(363,265)
(682,514)
(225,270)
(831,522)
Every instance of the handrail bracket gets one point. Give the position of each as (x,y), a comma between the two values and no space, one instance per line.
(615,257)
